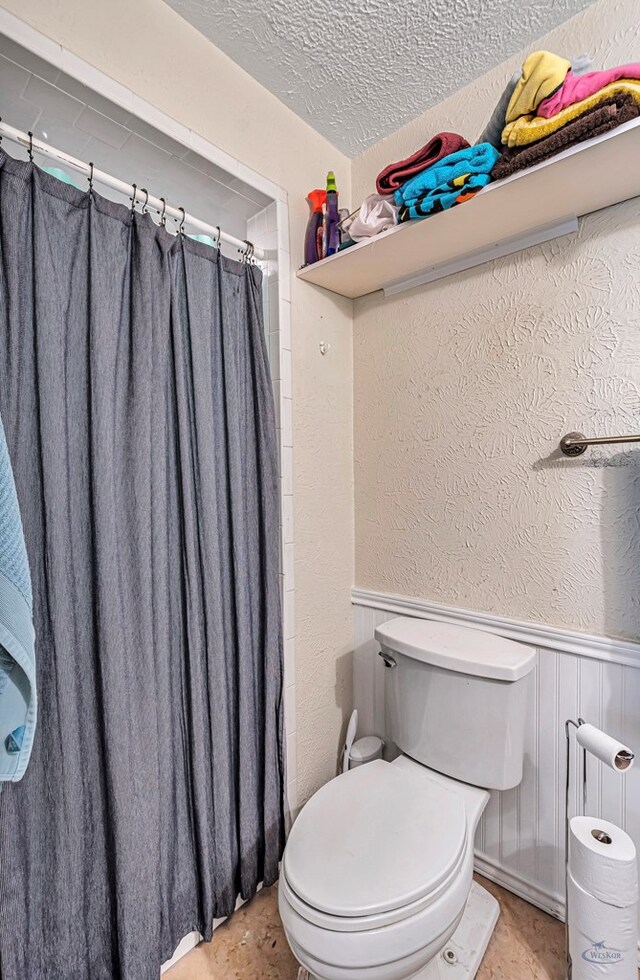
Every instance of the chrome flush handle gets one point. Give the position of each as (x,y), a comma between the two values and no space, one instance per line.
(388,659)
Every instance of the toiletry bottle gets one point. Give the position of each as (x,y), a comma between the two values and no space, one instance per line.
(316,199)
(343,214)
(322,251)
(321,231)
(333,217)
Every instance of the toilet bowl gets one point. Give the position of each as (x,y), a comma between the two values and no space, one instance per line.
(377,875)
(377,871)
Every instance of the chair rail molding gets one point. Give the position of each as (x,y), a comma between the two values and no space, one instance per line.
(618,651)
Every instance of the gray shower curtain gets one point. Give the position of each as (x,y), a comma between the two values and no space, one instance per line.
(135,394)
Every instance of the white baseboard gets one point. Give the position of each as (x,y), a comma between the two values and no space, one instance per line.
(553,904)
(193,939)
(528,890)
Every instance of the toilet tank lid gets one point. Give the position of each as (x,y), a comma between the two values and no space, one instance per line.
(458,648)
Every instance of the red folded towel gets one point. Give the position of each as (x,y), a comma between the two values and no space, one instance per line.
(397,174)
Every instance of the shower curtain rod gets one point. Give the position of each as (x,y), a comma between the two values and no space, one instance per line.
(148,201)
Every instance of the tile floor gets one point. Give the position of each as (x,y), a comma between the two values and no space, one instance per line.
(527,945)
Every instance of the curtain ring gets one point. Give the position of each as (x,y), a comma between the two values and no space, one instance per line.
(218,240)
(163,216)
(146,200)
(90,177)
(30,135)
(133,199)
(247,253)
(181,225)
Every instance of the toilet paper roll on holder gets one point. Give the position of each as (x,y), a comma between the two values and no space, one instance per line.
(618,757)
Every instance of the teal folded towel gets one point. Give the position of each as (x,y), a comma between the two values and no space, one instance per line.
(18,702)
(478,159)
(453,180)
(453,192)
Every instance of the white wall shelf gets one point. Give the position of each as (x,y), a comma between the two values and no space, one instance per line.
(507,216)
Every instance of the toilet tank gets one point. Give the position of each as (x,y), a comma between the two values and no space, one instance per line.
(456,699)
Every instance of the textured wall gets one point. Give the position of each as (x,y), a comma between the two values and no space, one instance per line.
(356,71)
(463,389)
(148,48)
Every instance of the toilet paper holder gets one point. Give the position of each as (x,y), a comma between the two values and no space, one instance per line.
(615,755)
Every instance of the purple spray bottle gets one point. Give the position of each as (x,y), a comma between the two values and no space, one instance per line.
(332,231)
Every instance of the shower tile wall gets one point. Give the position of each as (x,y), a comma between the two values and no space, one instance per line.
(266,229)
(58,109)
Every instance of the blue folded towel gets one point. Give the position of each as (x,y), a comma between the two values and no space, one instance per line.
(479,159)
(18,702)
(455,191)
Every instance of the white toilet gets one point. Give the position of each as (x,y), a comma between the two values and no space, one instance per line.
(376,879)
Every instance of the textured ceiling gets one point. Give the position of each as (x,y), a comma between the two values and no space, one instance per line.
(357,71)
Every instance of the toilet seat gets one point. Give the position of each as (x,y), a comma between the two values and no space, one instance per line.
(374,846)
(363,923)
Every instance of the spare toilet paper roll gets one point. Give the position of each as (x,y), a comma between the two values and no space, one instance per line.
(602,860)
(603,939)
(605,748)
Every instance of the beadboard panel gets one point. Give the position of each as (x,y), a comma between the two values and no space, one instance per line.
(520,840)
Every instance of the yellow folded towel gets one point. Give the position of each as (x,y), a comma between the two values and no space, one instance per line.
(528,129)
(542,73)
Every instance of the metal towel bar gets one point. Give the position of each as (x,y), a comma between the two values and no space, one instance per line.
(575,444)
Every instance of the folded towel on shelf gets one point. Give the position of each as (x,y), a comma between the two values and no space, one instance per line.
(445,196)
(592,123)
(397,174)
(478,159)
(493,130)
(528,129)
(17,649)
(542,73)
(575,88)
(376,214)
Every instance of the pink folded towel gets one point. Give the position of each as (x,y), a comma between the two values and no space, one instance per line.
(575,88)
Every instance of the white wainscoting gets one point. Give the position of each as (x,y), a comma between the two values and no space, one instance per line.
(520,841)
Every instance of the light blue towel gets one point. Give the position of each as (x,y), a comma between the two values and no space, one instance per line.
(479,159)
(18,703)
(444,197)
